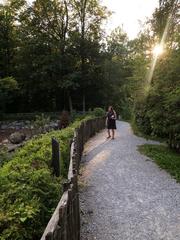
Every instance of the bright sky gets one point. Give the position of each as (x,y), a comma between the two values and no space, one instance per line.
(128,13)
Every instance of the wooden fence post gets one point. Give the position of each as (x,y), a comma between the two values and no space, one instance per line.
(55,158)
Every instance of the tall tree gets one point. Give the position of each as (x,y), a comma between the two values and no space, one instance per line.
(6,41)
(43,32)
(89,15)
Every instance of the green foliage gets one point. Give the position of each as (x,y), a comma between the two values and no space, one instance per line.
(53,50)
(41,121)
(157,112)
(164,157)
(7,86)
(99,112)
(6,41)
(156,100)
(3,155)
(117,68)
(29,192)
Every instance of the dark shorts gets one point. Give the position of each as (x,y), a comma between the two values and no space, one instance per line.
(111,124)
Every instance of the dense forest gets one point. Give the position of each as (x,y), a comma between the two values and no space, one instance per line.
(55,55)
(51,54)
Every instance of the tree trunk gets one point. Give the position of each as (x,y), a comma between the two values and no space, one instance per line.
(84,103)
(54,107)
(64,99)
(83,54)
(70,103)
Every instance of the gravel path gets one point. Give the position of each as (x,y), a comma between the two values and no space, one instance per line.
(124,195)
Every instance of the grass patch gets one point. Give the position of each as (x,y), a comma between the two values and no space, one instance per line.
(166,158)
(139,133)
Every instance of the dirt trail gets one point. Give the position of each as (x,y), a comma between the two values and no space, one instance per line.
(125,195)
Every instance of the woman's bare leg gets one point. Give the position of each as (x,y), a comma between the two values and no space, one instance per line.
(109,135)
(113,133)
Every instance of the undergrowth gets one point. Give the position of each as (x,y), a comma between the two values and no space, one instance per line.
(29,192)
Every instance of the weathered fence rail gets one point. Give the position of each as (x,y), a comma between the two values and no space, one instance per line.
(65,222)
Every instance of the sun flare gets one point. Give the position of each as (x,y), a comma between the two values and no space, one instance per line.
(158,50)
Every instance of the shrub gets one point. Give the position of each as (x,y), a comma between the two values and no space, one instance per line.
(29,192)
(158,115)
(3,155)
(98,112)
(40,122)
(64,120)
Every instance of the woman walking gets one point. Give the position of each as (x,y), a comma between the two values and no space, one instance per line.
(111,121)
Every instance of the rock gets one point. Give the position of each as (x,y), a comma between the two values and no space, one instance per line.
(46,127)
(19,125)
(90,212)
(5,141)
(3,126)
(53,125)
(17,137)
(13,147)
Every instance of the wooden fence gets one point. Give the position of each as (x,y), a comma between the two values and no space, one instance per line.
(65,222)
